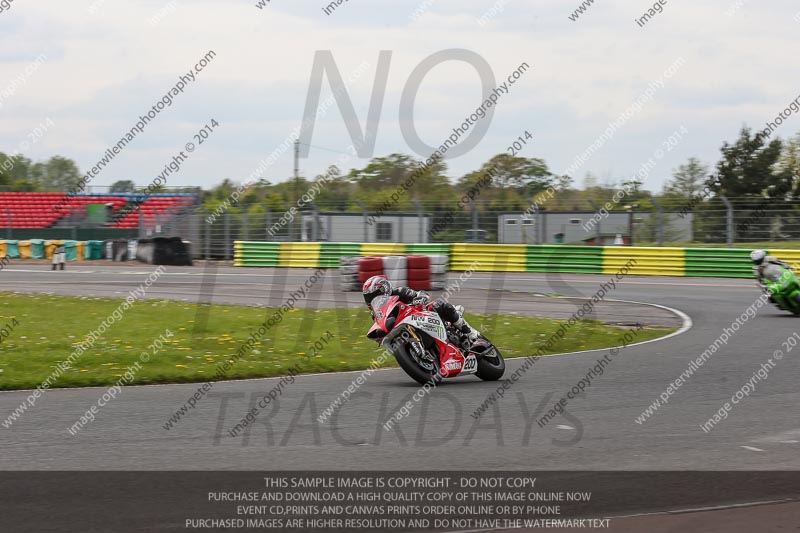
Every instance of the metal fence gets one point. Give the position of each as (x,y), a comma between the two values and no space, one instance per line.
(719,222)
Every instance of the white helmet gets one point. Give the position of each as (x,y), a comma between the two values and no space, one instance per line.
(757,256)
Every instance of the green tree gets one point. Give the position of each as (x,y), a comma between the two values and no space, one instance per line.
(15,173)
(687,180)
(788,165)
(56,174)
(122,186)
(747,165)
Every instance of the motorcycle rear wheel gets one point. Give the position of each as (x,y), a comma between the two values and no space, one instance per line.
(491,368)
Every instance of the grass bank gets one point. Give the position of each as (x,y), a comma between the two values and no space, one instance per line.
(49,329)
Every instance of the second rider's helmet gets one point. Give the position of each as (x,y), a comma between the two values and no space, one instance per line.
(758,256)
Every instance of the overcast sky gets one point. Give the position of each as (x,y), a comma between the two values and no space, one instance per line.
(109,61)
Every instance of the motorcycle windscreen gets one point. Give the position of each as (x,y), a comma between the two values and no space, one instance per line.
(383,308)
(774,273)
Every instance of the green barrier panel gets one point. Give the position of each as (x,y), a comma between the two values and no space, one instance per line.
(575,259)
(70,251)
(37,248)
(12,249)
(719,262)
(263,254)
(331,253)
(93,250)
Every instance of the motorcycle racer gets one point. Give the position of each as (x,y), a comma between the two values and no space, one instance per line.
(380,285)
(766,266)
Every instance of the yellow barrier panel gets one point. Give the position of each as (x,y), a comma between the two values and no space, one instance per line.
(790,256)
(3,249)
(25,250)
(299,254)
(661,261)
(373,249)
(50,247)
(489,257)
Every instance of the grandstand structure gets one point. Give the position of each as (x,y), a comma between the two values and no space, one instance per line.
(123,210)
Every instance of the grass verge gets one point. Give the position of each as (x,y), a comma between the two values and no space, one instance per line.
(49,329)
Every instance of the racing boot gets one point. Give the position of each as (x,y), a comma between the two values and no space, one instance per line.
(462,325)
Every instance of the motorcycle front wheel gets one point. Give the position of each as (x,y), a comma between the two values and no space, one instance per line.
(413,368)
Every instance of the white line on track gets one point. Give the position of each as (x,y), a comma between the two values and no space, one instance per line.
(752,448)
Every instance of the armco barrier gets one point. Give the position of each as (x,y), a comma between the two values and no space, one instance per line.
(324,254)
(790,256)
(383,249)
(489,257)
(718,262)
(575,259)
(428,249)
(565,258)
(299,254)
(256,254)
(331,253)
(661,261)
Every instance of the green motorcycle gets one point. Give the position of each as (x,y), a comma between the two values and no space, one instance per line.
(784,288)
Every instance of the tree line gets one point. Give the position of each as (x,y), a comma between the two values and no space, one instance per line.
(750,168)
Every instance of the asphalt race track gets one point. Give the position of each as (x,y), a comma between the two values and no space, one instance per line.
(597,432)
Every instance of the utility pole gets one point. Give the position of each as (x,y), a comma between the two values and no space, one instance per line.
(297,182)
(297,160)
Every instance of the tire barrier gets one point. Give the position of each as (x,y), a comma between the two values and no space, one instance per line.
(438,272)
(368,267)
(419,272)
(395,268)
(413,271)
(173,250)
(349,279)
(163,251)
(119,250)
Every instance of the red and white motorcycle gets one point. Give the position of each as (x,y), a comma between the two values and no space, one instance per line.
(427,348)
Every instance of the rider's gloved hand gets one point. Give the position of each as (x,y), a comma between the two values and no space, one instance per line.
(423,298)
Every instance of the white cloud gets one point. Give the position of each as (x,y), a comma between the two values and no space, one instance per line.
(106,68)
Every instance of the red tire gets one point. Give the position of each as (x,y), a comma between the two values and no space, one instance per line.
(420,284)
(370,264)
(365,275)
(418,261)
(419,274)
